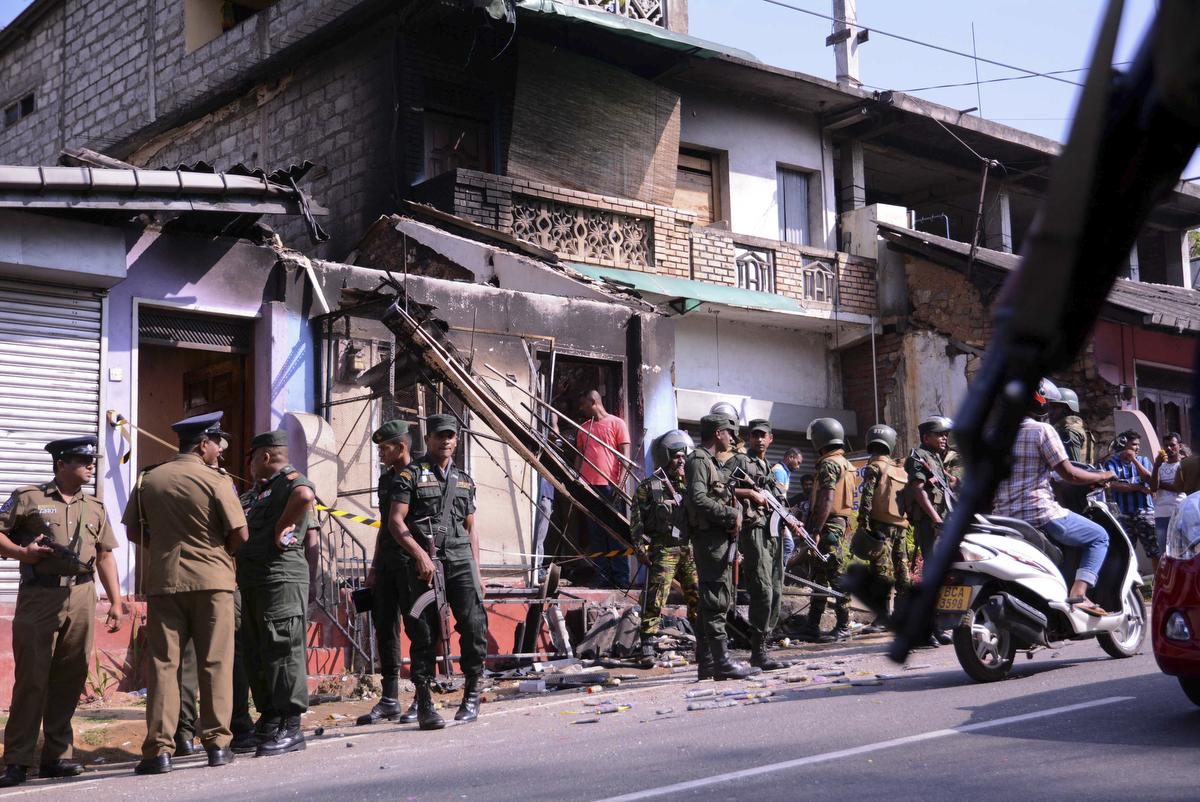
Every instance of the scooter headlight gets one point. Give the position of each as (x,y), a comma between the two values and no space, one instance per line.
(1176,627)
(972,553)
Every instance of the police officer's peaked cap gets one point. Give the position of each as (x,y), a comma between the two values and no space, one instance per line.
(935,425)
(269,439)
(390,431)
(73,447)
(759,425)
(713,423)
(441,422)
(192,429)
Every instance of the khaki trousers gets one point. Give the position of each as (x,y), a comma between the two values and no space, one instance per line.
(52,642)
(207,618)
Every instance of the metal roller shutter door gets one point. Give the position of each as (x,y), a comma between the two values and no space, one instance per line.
(49,382)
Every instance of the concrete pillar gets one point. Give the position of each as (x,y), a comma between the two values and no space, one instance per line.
(852,177)
(997,220)
(283,365)
(677,16)
(1135,271)
(845,52)
(1177,260)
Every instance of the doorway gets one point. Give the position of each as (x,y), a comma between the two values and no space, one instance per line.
(192,364)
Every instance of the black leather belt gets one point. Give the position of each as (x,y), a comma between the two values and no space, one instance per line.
(56,580)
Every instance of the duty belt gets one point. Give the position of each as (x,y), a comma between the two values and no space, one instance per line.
(57,580)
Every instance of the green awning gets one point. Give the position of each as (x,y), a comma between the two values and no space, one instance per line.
(635,29)
(685,295)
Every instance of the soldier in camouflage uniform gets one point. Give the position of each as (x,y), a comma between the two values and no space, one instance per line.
(658,516)
(1064,416)
(832,506)
(714,523)
(761,567)
(882,536)
(928,497)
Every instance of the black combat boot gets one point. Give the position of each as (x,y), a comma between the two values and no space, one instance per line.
(841,628)
(388,706)
(427,714)
(811,631)
(13,776)
(244,743)
(410,715)
(266,727)
(60,768)
(288,738)
(385,708)
(760,658)
(723,667)
(468,710)
(649,655)
(704,662)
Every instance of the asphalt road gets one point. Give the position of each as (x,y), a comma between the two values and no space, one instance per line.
(1075,726)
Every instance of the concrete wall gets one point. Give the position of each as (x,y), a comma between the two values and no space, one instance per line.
(758,139)
(719,355)
(504,321)
(215,277)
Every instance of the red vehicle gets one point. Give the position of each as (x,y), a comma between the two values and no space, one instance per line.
(1175,617)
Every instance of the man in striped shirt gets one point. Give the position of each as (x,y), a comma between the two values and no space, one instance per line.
(1132,492)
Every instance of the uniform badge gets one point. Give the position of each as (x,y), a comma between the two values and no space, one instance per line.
(47,510)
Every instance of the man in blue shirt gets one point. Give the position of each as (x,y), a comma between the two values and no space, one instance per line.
(1132,493)
(782,472)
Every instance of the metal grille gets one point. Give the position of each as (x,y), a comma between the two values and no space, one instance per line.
(49,382)
(208,332)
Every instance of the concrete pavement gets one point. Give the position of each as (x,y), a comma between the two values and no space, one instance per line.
(1074,726)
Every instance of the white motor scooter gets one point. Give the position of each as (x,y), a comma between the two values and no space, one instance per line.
(1008,590)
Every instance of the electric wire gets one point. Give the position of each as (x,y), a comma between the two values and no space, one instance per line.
(910,40)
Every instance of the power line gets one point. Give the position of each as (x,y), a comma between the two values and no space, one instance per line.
(910,40)
(1000,80)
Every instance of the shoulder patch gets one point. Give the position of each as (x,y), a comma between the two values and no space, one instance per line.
(405,474)
(8,505)
(291,477)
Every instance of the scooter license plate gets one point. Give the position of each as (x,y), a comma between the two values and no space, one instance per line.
(955,597)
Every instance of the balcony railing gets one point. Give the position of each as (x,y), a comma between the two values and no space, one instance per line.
(755,268)
(652,11)
(594,236)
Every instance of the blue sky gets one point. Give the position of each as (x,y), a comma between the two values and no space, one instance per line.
(1040,35)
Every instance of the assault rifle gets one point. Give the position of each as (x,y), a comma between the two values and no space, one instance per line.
(436,594)
(779,511)
(65,553)
(936,479)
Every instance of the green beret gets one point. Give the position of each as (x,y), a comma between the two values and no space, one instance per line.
(759,425)
(711,424)
(390,431)
(441,423)
(269,439)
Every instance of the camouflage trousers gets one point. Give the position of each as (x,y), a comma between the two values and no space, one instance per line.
(892,561)
(668,562)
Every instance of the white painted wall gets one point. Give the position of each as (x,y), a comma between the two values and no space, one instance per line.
(758,138)
(762,362)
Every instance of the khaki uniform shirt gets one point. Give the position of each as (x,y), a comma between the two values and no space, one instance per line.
(80,525)
(187,510)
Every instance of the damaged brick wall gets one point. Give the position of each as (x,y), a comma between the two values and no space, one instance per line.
(34,66)
(625,127)
(859,381)
(943,301)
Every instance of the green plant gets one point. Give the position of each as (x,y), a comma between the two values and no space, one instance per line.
(94,737)
(100,681)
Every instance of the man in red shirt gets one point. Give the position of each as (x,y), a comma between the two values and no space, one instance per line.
(601,439)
